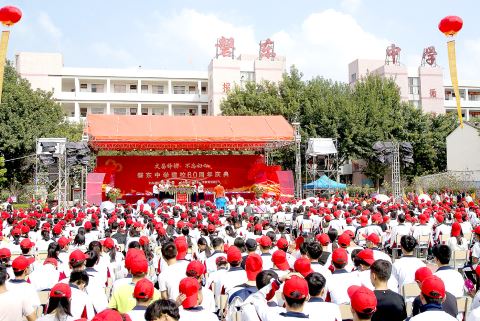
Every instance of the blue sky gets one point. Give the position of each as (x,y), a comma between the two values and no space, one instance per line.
(319,36)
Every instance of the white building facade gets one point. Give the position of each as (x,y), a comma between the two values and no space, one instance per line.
(83,91)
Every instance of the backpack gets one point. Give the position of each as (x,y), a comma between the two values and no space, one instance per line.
(235,301)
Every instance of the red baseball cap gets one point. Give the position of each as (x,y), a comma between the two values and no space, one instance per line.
(22,263)
(88,225)
(456,229)
(182,247)
(433,287)
(143,240)
(422,273)
(77,256)
(282,243)
(221,260)
(63,241)
(477,230)
(366,256)
(51,261)
(303,266)
(5,253)
(323,239)
(295,288)
(340,256)
(265,241)
(143,289)
(344,239)
(195,269)
(374,238)
(61,290)
(139,265)
(111,315)
(253,266)
(189,287)
(26,244)
(362,299)
(279,258)
(234,255)
(108,243)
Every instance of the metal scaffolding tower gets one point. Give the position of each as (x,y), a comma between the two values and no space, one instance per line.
(298,160)
(321,160)
(51,170)
(396,181)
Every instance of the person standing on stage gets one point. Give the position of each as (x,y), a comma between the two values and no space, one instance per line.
(155,190)
(161,190)
(200,192)
(219,191)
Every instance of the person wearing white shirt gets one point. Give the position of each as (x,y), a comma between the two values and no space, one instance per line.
(316,308)
(452,279)
(399,230)
(441,228)
(218,247)
(19,286)
(404,268)
(457,242)
(341,279)
(190,295)
(162,310)
(172,274)
(45,276)
(143,294)
(12,306)
(432,294)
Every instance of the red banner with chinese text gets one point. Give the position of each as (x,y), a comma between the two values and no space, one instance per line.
(137,174)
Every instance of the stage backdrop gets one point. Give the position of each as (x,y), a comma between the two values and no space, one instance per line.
(137,174)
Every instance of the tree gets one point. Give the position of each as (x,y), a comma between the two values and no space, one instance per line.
(3,171)
(356,116)
(26,115)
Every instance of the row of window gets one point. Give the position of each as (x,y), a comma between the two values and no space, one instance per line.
(145,89)
(159,111)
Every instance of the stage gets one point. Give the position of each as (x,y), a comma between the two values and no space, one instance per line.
(185,151)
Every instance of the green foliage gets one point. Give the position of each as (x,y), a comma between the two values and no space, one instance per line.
(357,116)
(26,115)
(3,171)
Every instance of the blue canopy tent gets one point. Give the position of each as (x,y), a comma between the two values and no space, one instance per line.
(324,183)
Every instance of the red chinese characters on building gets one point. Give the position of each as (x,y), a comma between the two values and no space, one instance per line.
(225,47)
(393,54)
(226,87)
(433,93)
(267,49)
(429,56)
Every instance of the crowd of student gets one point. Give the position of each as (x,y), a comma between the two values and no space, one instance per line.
(298,259)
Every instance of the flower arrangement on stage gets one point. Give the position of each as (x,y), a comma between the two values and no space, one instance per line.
(113,194)
(181,188)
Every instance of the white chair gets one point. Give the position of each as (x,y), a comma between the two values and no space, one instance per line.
(346,312)
(410,290)
(43,297)
(423,244)
(409,308)
(459,258)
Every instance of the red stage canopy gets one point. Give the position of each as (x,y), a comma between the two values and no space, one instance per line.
(120,132)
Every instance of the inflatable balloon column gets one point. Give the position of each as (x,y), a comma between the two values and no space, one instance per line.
(8,17)
(450,26)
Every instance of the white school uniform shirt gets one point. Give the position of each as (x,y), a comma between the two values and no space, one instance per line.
(267,261)
(197,314)
(379,255)
(44,277)
(452,279)
(364,277)
(317,309)
(267,313)
(137,313)
(208,302)
(433,315)
(400,229)
(22,289)
(404,269)
(214,278)
(210,262)
(80,304)
(454,246)
(442,229)
(14,308)
(170,277)
(339,283)
(233,277)
(96,290)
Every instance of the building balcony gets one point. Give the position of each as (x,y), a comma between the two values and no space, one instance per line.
(465,103)
(134,97)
